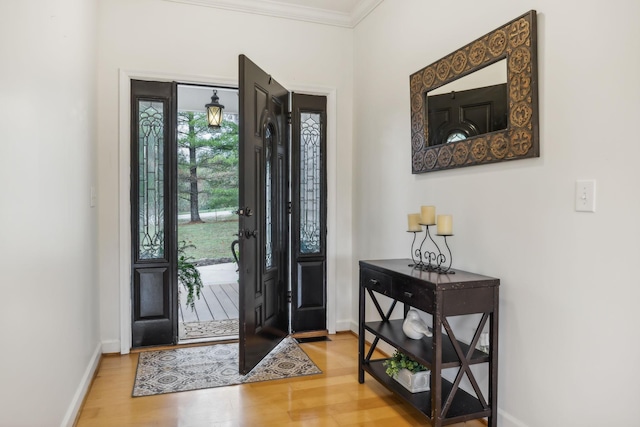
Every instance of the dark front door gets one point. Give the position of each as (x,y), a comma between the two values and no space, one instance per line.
(309,214)
(153,196)
(263,222)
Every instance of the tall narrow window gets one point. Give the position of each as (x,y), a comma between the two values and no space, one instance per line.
(154,279)
(268,215)
(151,179)
(310,183)
(309,212)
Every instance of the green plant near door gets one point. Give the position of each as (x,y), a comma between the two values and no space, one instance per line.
(188,275)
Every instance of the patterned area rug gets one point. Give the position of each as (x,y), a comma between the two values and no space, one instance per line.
(208,329)
(194,368)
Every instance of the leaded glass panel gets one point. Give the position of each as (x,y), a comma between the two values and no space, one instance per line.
(268,216)
(151,179)
(310,183)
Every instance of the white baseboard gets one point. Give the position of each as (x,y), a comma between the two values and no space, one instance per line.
(70,417)
(507,420)
(111,346)
(343,325)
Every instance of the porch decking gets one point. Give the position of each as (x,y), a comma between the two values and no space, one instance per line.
(219,297)
(217,302)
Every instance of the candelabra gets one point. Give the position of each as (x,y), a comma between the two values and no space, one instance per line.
(430,260)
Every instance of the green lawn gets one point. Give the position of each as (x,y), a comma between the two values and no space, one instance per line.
(212,239)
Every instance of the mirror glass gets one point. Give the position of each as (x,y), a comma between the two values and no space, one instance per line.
(471,105)
(478,104)
(490,75)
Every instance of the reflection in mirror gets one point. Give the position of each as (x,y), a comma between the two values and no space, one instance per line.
(472,105)
(475,131)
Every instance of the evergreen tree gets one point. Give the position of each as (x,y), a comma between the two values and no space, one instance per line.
(207,163)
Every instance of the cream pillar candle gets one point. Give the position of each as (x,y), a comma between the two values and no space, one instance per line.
(414,222)
(445,225)
(427,215)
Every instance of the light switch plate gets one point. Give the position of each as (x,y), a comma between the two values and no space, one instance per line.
(92,197)
(586,195)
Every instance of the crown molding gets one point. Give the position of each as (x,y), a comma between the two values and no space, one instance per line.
(292,11)
(362,9)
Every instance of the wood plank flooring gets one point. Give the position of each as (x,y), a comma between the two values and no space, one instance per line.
(217,302)
(333,398)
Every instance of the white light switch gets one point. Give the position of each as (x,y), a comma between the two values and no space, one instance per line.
(586,195)
(92,197)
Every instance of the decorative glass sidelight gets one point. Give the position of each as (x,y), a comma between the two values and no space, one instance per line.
(151,180)
(310,182)
(268,198)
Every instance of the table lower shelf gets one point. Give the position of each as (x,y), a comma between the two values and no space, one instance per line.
(463,408)
(391,331)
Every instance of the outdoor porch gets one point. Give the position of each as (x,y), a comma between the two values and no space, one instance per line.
(216,311)
(217,302)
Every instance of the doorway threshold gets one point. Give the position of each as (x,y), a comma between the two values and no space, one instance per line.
(229,338)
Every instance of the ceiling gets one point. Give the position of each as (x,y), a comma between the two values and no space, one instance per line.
(194,98)
(341,13)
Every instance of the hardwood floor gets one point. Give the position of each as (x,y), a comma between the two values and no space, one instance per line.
(333,398)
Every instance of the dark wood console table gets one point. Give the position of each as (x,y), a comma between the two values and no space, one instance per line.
(442,296)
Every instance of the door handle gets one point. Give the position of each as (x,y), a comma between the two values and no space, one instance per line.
(248,234)
(234,252)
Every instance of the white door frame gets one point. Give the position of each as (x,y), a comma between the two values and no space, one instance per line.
(124,162)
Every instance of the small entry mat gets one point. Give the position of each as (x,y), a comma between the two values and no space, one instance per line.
(208,329)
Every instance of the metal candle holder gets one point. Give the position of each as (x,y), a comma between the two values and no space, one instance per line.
(430,260)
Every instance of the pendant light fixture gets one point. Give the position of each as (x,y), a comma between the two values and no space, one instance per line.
(214,111)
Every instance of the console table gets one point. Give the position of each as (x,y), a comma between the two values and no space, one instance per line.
(442,296)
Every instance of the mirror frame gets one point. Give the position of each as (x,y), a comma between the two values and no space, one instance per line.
(517,42)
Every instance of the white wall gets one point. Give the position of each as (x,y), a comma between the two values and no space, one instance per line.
(49,314)
(185,42)
(568,344)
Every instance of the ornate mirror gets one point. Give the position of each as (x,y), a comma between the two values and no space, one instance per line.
(479,104)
